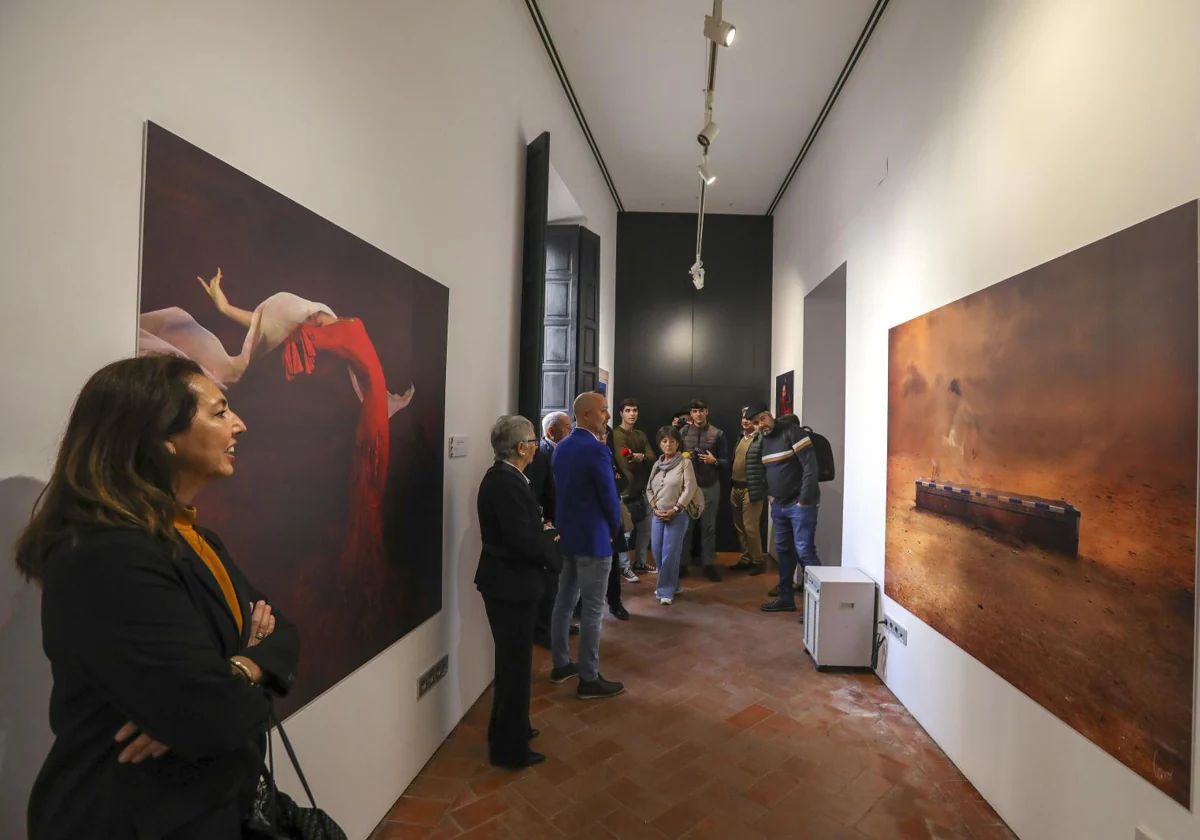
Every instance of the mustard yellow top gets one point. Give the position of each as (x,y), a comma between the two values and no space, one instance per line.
(185,524)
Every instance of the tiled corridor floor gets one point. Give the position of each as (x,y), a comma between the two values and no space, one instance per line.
(726,731)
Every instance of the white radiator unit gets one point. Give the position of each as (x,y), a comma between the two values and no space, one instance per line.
(839,616)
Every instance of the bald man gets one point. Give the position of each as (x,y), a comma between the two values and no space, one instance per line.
(588,516)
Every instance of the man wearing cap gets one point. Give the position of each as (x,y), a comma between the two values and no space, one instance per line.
(705,444)
(791,466)
(749,491)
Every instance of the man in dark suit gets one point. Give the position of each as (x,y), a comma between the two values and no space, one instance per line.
(588,518)
(518,547)
(555,427)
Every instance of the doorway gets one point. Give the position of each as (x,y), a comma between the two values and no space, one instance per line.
(823,405)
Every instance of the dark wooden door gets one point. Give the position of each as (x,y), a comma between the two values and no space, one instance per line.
(533,280)
(588,331)
(559,344)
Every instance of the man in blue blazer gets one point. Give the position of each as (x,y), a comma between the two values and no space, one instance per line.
(588,518)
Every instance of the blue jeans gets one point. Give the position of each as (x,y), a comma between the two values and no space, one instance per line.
(585,578)
(795,539)
(666,541)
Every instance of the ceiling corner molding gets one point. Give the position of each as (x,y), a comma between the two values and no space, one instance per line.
(561,71)
(860,46)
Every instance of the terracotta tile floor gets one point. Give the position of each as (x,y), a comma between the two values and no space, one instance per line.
(725,731)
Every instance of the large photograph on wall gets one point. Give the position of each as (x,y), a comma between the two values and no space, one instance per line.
(1041,501)
(334,355)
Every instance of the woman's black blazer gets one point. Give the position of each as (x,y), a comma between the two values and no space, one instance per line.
(517,550)
(137,629)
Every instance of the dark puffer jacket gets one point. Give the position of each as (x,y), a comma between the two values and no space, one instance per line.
(756,473)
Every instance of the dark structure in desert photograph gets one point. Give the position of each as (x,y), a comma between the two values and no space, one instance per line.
(1041,500)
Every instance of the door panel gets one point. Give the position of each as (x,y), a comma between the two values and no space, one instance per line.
(533,279)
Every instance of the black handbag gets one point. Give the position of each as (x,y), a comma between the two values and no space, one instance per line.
(276,816)
(637,507)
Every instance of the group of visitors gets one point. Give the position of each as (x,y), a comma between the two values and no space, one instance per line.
(565,518)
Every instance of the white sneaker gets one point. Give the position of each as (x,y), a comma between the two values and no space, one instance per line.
(629,576)
(666,602)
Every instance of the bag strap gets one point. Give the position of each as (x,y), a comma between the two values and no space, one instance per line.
(287,745)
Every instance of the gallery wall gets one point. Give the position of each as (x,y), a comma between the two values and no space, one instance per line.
(974,142)
(674,342)
(406,125)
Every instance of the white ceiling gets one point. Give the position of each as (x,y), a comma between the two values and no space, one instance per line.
(638,70)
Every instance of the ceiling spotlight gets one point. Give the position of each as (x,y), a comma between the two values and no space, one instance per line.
(719,31)
(708,135)
(707,174)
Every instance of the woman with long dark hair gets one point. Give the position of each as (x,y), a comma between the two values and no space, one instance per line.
(164,656)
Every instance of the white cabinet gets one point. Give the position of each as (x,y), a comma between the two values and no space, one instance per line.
(839,616)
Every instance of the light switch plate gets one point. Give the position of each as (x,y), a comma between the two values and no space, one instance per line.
(458,446)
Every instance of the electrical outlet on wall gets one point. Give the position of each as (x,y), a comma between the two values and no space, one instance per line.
(458,446)
(896,630)
(433,676)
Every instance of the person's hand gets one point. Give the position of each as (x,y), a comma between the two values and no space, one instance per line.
(213,287)
(547,526)
(262,623)
(708,458)
(638,457)
(256,673)
(140,748)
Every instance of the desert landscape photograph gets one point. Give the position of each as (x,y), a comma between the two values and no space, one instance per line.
(1041,498)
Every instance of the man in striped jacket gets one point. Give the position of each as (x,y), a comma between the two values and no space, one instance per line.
(791,465)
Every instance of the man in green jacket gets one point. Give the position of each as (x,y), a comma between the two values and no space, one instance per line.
(749,481)
(636,467)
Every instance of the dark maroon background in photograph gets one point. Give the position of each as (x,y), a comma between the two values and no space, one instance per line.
(284,514)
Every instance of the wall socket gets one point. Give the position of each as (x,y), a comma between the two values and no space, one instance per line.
(433,676)
(896,630)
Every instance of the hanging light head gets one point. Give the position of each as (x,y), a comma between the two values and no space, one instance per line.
(720,32)
(708,134)
(706,172)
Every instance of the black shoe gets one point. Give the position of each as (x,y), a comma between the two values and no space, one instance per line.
(533,733)
(620,612)
(528,761)
(741,565)
(712,574)
(778,606)
(598,688)
(567,672)
(574,631)
(542,640)
(755,569)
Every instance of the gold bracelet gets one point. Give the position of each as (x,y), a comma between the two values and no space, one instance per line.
(245,671)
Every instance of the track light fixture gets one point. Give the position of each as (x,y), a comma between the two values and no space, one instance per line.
(706,172)
(708,134)
(697,272)
(720,32)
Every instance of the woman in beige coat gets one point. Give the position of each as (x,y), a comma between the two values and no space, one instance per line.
(671,489)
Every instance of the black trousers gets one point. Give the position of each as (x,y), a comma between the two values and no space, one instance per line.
(545,608)
(614,583)
(512,631)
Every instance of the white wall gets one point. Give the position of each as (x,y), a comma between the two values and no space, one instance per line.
(1010,133)
(406,124)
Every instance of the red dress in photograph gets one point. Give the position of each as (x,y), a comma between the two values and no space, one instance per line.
(347,340)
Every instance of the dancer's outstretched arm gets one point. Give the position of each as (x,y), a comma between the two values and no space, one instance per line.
(213,287)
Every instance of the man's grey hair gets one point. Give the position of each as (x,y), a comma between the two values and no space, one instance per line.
(507,433)
(553,419)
